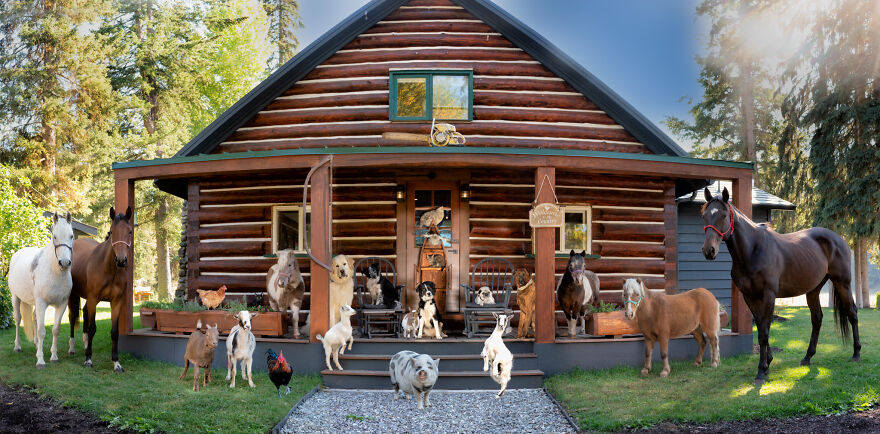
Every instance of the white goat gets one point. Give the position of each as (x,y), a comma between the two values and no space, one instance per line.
(240,345)
(497,354)
(337,336)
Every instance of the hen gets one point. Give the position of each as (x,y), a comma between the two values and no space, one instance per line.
(433,217)
(279,370)
(212,299)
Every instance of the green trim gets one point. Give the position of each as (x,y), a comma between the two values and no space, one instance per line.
(428,75)
(564,255)
(433,150)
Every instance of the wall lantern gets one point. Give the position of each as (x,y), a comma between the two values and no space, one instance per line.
(401,193)
(465,193)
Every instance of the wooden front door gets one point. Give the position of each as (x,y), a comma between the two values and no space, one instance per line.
(424,197)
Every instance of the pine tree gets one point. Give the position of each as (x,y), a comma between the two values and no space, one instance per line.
(285,19)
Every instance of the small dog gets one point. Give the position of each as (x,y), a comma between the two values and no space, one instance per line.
(382,292)
(495,353)
(525,298)
(285,287)
(240,345)
(341,285)
(428,310)
(337,336)
(484,296)
(410,323)
(413,374)
(200,352)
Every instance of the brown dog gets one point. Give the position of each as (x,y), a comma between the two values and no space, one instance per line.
(525,298)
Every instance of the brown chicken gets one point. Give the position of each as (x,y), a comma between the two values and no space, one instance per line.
(212,299)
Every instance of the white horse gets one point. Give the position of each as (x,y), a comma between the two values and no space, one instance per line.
(38,278)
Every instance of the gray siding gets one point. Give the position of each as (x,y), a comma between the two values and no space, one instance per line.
(694,271)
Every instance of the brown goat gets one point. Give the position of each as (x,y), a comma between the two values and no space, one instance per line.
(662,316)
(200,351)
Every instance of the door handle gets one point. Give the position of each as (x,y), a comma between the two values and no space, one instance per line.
(454,252)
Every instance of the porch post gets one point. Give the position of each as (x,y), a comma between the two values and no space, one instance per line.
(320,246)
(124,198)
(545,263)
(741,317)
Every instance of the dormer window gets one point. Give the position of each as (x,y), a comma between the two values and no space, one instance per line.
(427,95)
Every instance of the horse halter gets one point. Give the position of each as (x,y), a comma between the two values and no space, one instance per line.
(729,230)
(62,245)
(636,303)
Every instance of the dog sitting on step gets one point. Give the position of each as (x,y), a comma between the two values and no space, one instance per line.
(428,314)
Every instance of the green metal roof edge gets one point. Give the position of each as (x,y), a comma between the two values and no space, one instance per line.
(433,150)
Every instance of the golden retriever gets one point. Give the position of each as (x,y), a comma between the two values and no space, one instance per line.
(341,285)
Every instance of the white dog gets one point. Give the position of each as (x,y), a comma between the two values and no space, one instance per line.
(341,285)
(495,353)
(337,336)
(240,345)
(484,296)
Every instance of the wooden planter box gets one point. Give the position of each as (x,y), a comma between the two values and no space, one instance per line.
(148,317)
(611,324)
(264,324)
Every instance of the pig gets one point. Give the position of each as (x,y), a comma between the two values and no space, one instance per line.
(413,374)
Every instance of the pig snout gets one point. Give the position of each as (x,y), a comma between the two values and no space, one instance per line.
(422,375)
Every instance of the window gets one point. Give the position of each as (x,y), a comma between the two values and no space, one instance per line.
(289,227)
(428,200)
(576,232)
(427,95)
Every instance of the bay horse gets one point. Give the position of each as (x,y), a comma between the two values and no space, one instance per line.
(661,316)
(39,278)
(577,289)
(100,274)
(768,265)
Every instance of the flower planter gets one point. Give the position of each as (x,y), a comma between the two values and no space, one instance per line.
(264,324)
(611,324)
(148,317)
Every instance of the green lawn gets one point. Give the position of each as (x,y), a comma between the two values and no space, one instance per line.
(148,396)
(619,398)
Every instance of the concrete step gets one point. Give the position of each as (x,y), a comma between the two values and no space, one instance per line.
(449,380)
(448,362)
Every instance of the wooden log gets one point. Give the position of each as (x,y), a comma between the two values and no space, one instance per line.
(319,115)
(403,54)
(617,232)
(502,113)
(570,102)
(483,68)
(508,176)
(364,84)
(428,14)
(366,229)
(496,211)
(363,211)
(425,26)
(238,248)
(605,180)
(236,231)
(628,215)
(430,3)
(365,194)
(496,248)
(265,178)
(269,195)
(352,99)
(520,84)
(481,83)
(500,229)
(364,247)
(628,249)
(235,214)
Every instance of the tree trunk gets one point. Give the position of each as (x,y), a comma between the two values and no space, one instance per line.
(51,149)
(865,295)
(857,272)
(163,260)
(747,96)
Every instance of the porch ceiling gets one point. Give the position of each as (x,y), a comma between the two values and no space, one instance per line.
(171,173)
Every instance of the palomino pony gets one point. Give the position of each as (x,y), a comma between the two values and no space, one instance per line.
(99,274)
(768,265)
(662,316)
(577,289)
(39,278)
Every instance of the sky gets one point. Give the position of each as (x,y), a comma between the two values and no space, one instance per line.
(643,49)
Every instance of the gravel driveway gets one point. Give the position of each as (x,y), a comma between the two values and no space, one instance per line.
(334,410)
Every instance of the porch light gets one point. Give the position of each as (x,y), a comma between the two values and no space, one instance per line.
(465,192)
(401,193)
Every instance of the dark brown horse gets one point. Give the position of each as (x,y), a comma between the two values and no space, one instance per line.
(768,265)
(99,274)
(577,289)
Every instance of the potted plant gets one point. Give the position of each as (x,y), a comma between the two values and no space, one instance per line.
(608,320)
(148,312)
(266,323)
(182,316)
(179,316)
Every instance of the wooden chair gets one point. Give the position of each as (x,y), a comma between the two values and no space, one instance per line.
(497,274)
(375,320)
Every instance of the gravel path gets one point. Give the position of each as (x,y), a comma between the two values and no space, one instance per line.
(335,410)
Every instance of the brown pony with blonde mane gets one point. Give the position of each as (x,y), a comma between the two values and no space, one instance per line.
(661,316)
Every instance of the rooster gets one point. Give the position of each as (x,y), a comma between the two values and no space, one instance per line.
(279,370)
(212,299)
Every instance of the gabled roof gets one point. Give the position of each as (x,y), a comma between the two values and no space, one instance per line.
(760,198)
(79,228)
(504,23)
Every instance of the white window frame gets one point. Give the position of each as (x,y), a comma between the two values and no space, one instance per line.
(586,209)
(276,227)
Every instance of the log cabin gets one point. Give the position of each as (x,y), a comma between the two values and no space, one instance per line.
(350,118)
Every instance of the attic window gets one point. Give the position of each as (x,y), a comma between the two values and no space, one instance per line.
(427,95)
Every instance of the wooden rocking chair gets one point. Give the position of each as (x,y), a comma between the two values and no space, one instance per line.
(375,320)
(497,274)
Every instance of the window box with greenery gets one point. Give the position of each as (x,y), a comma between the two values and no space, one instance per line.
(607,320)
(431,95)
(182,316)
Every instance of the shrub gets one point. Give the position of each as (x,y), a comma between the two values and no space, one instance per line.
(604,307)
(5,304)
(877,301)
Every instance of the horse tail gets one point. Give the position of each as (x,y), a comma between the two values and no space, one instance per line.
(27,320)
(840,310)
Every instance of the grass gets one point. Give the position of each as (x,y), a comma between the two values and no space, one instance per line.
(148,396)
(619,398)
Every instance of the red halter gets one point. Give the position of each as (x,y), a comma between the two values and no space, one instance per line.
(729,230)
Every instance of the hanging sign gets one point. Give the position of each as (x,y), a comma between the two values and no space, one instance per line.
(545,215)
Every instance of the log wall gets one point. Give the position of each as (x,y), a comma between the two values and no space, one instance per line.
(517,101)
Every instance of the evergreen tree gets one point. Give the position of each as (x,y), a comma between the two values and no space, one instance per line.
(285,19)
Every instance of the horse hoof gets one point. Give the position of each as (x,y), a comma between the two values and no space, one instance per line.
(805,362)
(759,382)
(664,374)
(645,372)
(17,350)
(856,359)
(70,353)
(87,364)
(118,368)
(698,364)
(53,360)
(41,366)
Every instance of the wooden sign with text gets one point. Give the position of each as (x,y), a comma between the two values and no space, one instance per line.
(545,215)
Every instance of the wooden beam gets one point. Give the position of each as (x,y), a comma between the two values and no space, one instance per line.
(124,198)
(545,262)
(741,317)
(192,239)
(320,246)
(670,241)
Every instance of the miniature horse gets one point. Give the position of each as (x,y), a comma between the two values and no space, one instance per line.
(768,265)
(662,316)
(576,289)
(100,274)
